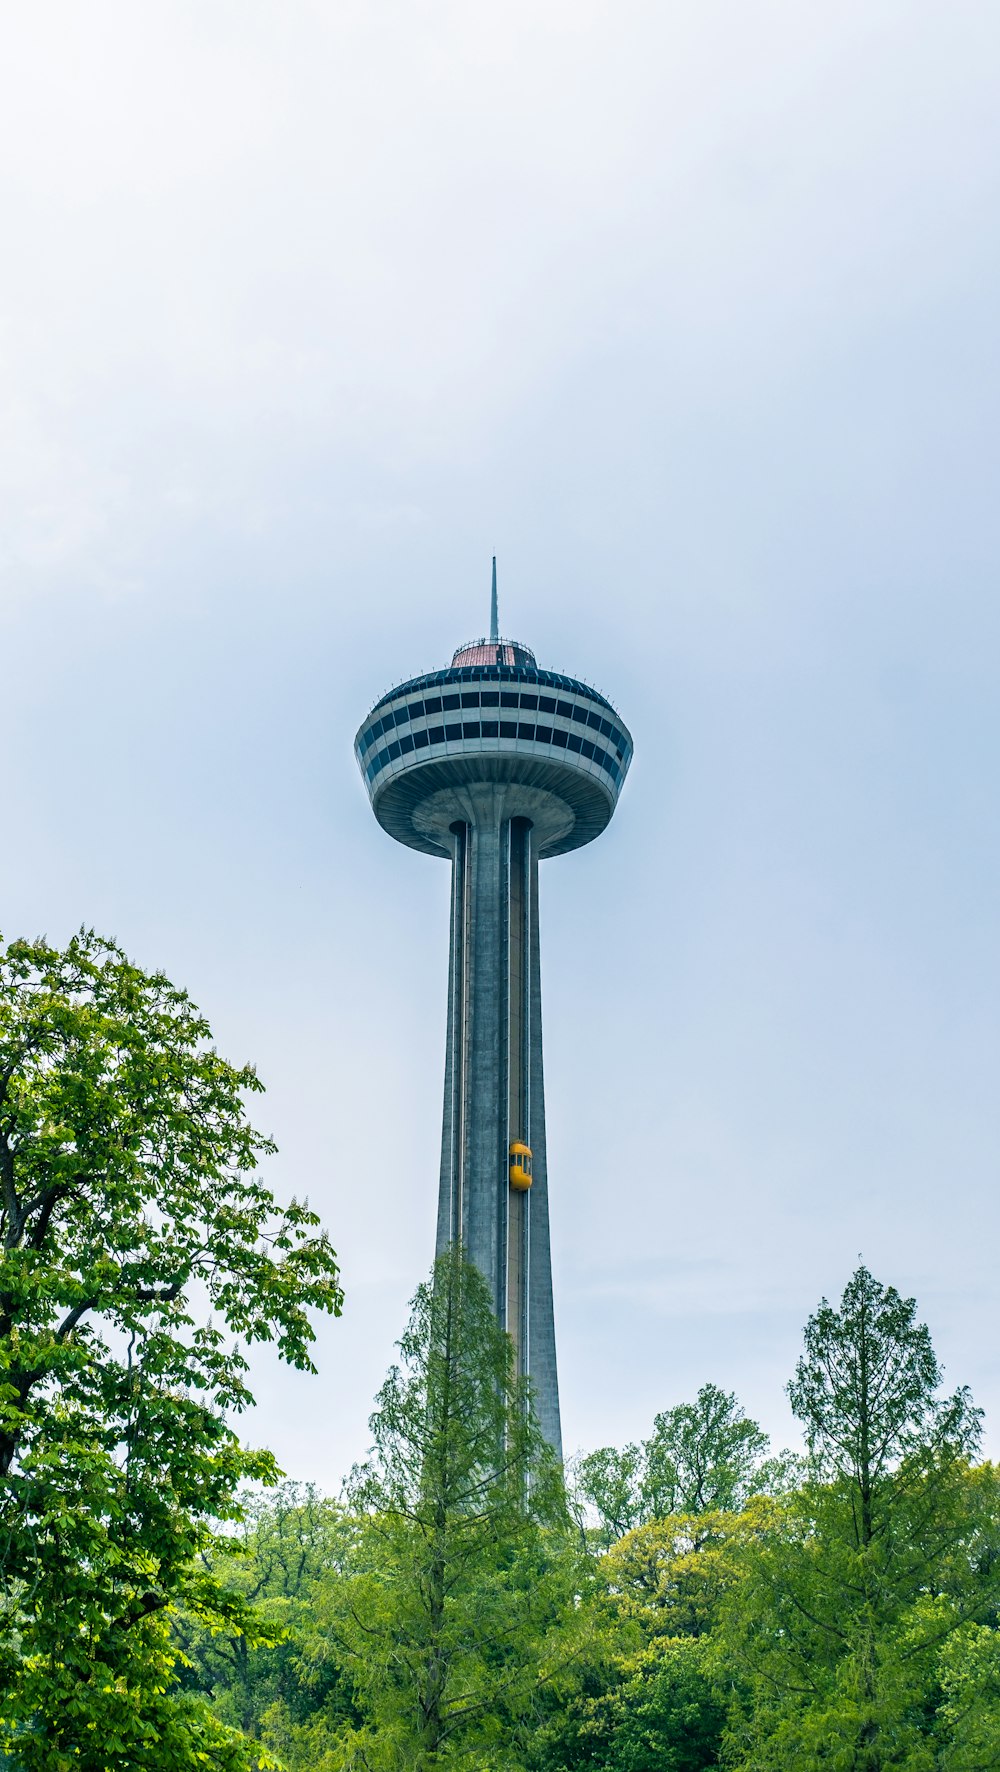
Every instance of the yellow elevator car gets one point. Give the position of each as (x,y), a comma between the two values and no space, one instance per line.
(520,1166)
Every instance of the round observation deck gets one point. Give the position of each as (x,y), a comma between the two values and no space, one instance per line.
(553,748)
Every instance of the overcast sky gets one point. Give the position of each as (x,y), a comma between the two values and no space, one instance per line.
(689,312)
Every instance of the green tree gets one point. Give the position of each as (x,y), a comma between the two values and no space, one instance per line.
(705,1455)
(968,1722)
(609,1483)
(274,1558)
(866,1391)
(659,1713)
(463,1558)
(645,1696)
(140,1252)
(666,1509)
(837,1622)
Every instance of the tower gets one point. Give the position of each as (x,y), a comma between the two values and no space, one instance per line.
(497,765)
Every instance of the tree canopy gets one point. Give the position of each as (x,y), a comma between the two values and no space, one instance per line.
(700,1456)
(775,1622)
(694,1605)
(838,1619)
(140,1254)
(463,1556)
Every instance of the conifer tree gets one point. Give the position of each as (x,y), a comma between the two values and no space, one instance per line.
(463,1560)
(838,1622)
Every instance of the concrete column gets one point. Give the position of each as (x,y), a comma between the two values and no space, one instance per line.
(493,1081)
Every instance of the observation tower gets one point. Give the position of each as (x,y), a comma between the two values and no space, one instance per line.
(496,765)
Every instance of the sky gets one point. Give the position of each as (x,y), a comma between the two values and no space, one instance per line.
(688,312)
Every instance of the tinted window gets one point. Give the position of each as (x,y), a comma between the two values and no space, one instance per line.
(490,698)
(406,744)
(560,738)
(393,752)
(543,734)
(450,701)
(420,740)
(470,698)
(416,709)
(470,729)
(574,741)
(452,731)
(507,700)
(436,735)
(587,748)
(565,709)
(489,729)
(432,705)
(546,704)
(525,731)
(508,729)
(594,720)
(529,701)
(580,714)
(606,728)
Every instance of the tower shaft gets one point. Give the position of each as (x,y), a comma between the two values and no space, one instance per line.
(494,1091)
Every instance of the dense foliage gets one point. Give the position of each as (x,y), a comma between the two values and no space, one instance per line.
(692,1604)
(139,1252)
(688,1602)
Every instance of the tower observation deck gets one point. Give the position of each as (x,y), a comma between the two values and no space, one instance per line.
(497,765)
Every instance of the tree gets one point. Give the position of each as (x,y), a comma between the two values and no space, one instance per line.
(701,1456)
(644,1697)
(140,1253)
(659,1713)
(968,1722)
(866,1391)
(462,1559)
(666,1508)
(287,1543)
(610,1483)
(837,1618)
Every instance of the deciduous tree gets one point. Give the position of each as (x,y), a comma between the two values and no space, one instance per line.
(287,1544)
(700,1456)
(141,1252)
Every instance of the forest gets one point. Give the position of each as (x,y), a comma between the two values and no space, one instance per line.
(170,1601)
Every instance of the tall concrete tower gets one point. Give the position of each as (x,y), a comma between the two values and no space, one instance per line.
(497,765)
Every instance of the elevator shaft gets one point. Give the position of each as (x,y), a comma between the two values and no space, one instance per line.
(494,1092)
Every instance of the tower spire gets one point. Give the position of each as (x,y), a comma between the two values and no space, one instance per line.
(494,620)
